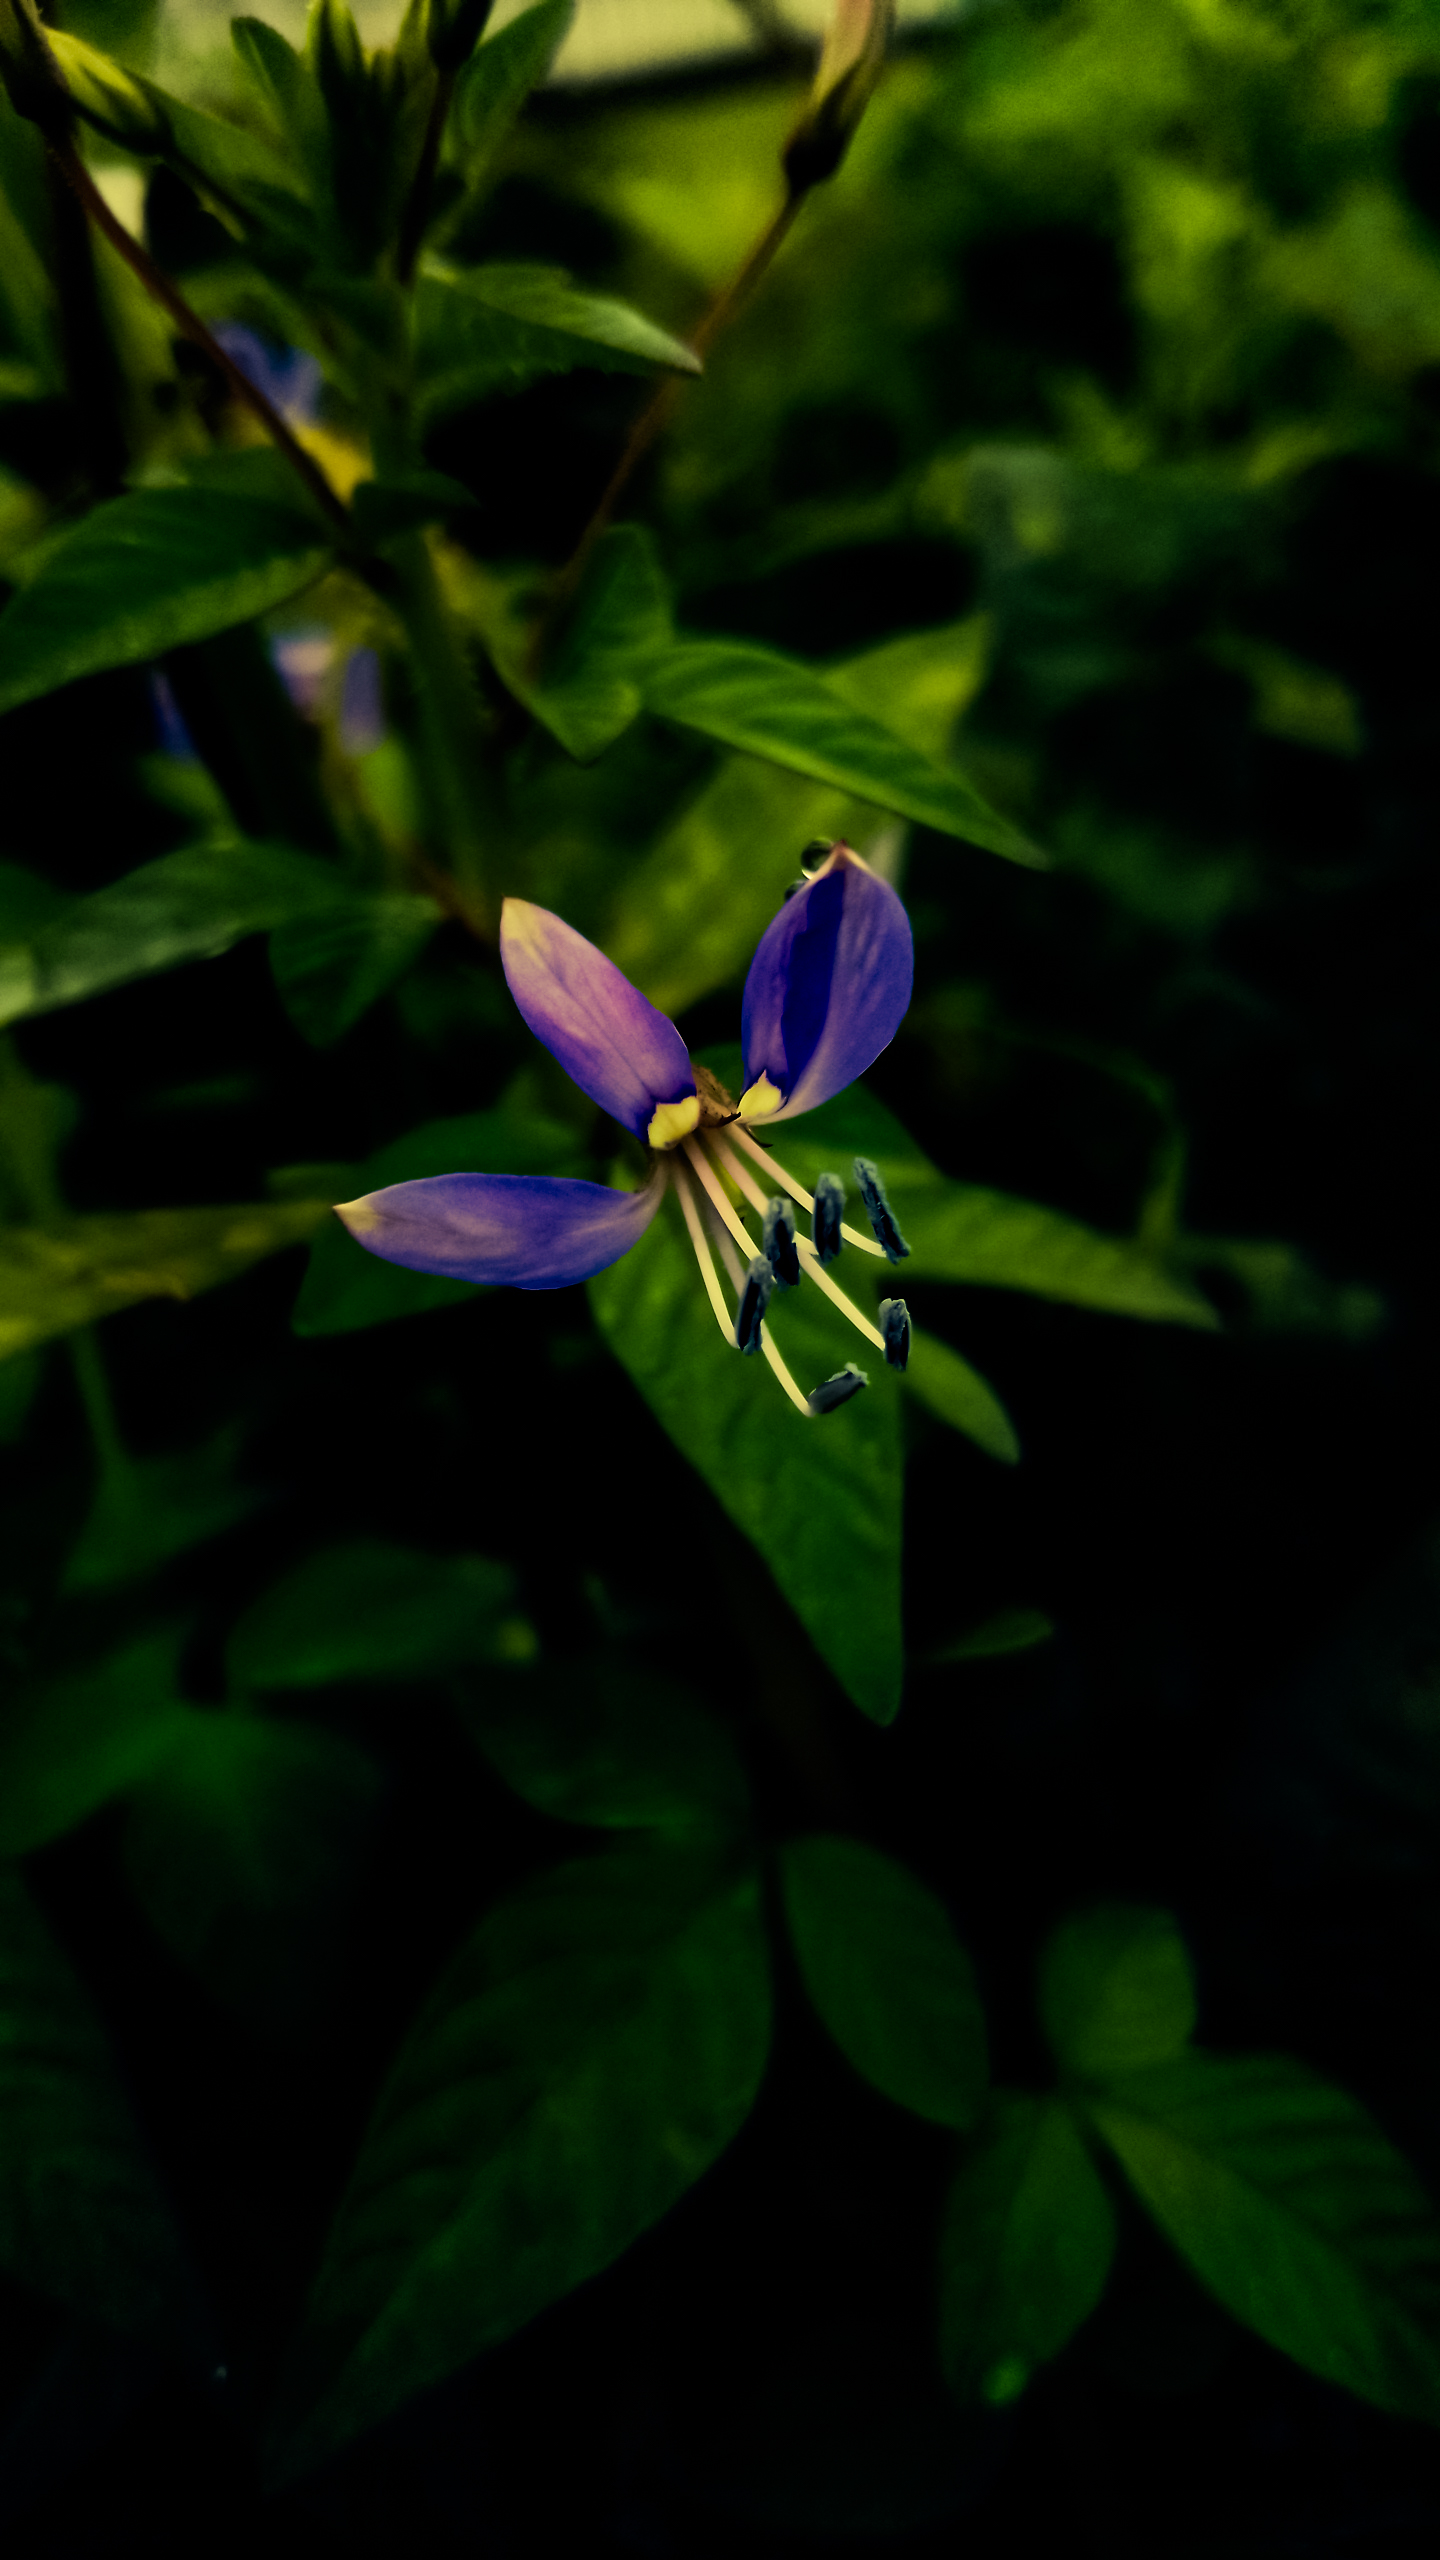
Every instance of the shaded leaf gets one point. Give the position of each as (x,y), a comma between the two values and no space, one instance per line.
(612,1744)
(775,707)
(499,77)
(82,2218)
(591,2050)
(68,1745)
(242,1849)
(331,967)
(368,1611)
(482,330)
(888,1976)
(949,1388)
(189,905)
(1009,1631)
(346,1288)
(820,1499)
(150,1510)
(148,572)
(403,501)
(589,689)
(1116,1990)
(1027,2243)
(79,1269)
(1292,2208)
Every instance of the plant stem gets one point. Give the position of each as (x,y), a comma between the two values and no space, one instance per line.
(449,711)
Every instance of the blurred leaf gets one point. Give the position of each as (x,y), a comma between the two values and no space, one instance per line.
(146,573)
(499,77)
(242,1849)
(482,330)
(19,1385)
(1116,1990)
(819,1498)
(330,968)
(82,2218)
(1027,2244)
(775,707)
(189,905)
(955,1393)
(68,1745)
(28,901)
(888,1976)
(78,1269)
(403,501)
(1009,1631)
(150,1510)
(1283,1290)
(1285,2197)
(346,1288)
(590,2051)
(610,1744)
(590,686)
(369,1611)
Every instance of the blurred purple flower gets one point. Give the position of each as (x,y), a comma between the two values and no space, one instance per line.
(285,376)
(827,990)
(362,704)
(303,660)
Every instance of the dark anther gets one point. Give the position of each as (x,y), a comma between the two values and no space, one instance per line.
(780,1243)
(754,1299)
(878,1211)
(895,1325)
(829,1209)
(837,1390)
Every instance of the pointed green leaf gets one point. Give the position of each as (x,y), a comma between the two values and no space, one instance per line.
(949,1388)
(147,1511)
(368,1611)
(148,572)
(345,1288)
(1116,1990)
(1028,2240)
(819,1498)
(79,1269)
(888,1975)
(589,689)
(590,2051)
(775,707)
(82,2218)
(67,1745)
(482,330)
(499,77)
(1009,1631)
(1292,2208)
(331,966)
(189,905)
(242,1850)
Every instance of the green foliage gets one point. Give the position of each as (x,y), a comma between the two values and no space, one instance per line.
(593,2047)
(949,1388)
(373,1612)
(148,572)
(483,330)
(498,78)
(1116,1991)
(1294,2210)
(82,2218)
(1028,2240)
(67,1745)
(331,965)
(74,1270)
(888,1976)
(820,1500)
(621,1748)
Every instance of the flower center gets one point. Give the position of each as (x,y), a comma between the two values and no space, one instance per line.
(670,1122)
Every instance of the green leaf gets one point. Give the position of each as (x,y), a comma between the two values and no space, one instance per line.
(148,572)
(775,707)
(331,967)
(888,1976)
(242,1849)
(346,1288)
(1009,1631)
(369,1611)
(1026,2248)
(150,1510)
(1292,2208)
(79,1269)
(189,905)
(590,687)
(819,1498)
(499,77)
(68,1745)
(589,2053)
(482,330)
(82,2219)
(957,1231)
(949,1388)
(1116,1990)
(612,1744)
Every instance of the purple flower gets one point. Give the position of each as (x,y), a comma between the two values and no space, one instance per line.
(827,990)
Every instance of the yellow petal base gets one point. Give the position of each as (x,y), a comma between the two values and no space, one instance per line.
(760,1099)
(672,1121)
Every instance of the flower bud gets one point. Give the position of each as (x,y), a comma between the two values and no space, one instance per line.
(850,65)
(110,99)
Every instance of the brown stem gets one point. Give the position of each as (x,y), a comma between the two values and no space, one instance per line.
(417,203)
(158,285)
(654,417)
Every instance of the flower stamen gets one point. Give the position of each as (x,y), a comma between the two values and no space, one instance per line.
(811,1261)
(700,1241)
(716,1191)
(740,1137)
